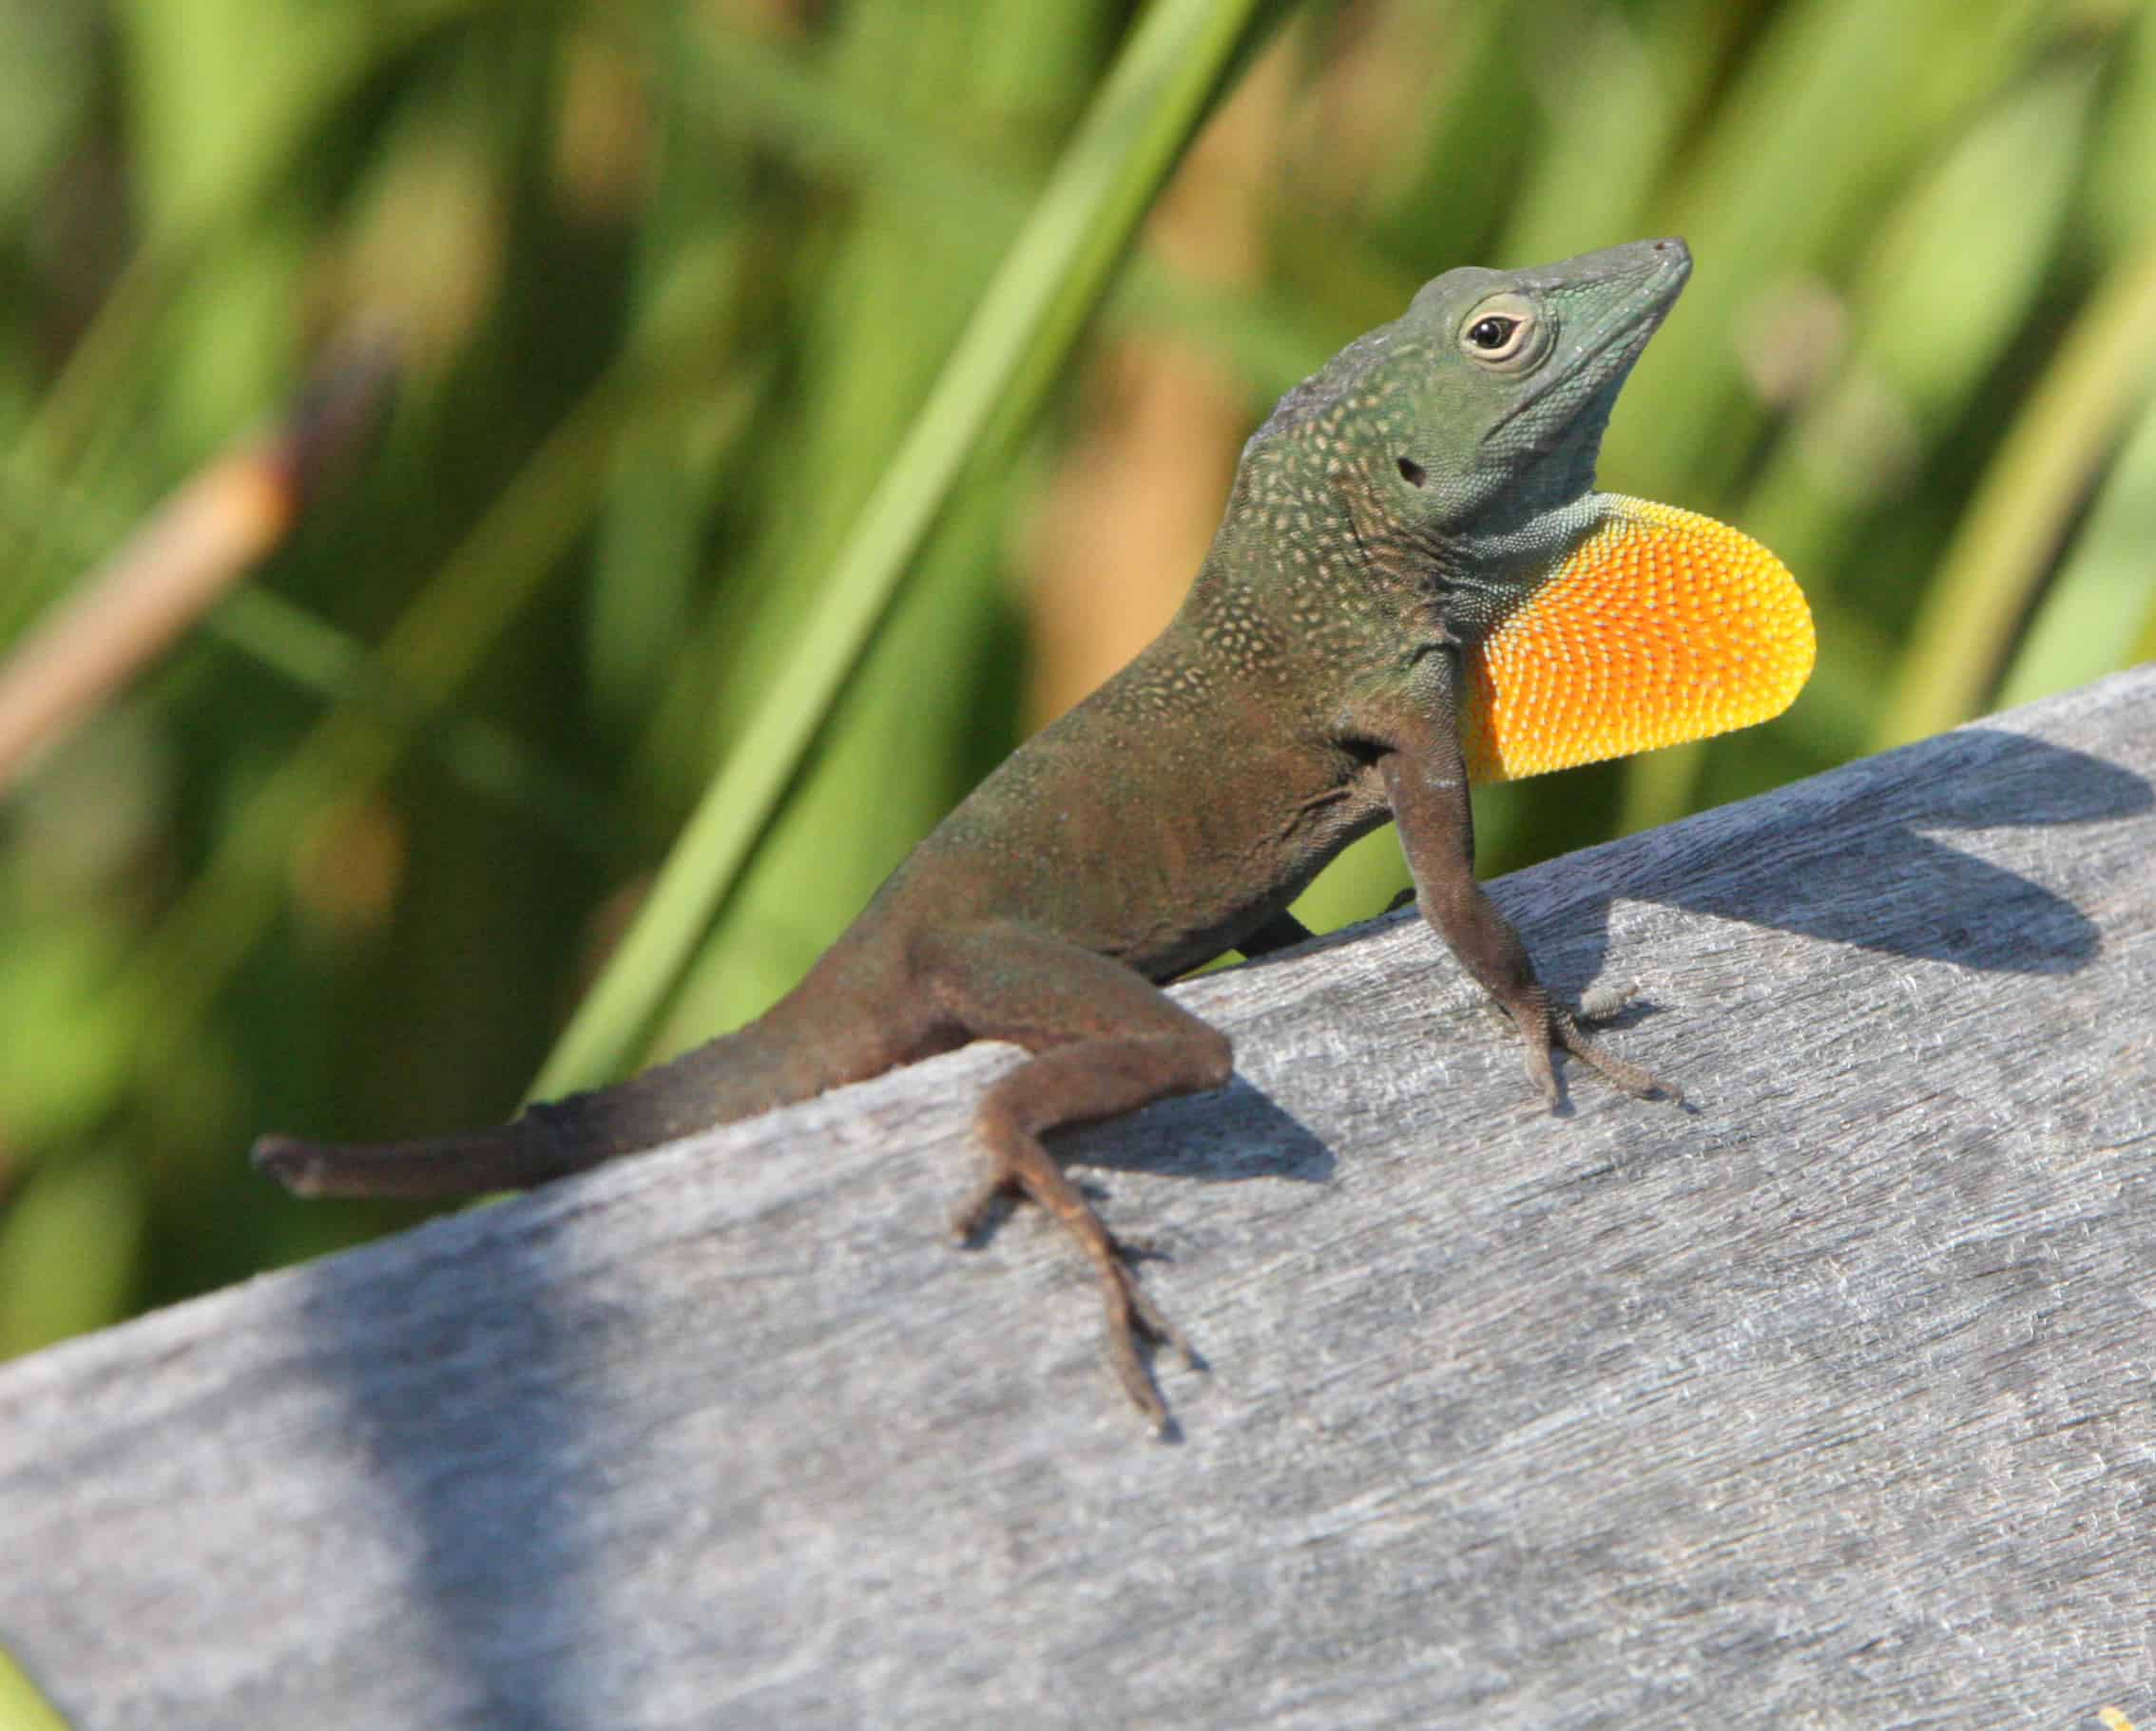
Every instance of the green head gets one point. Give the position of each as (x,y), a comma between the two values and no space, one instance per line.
(1464,434)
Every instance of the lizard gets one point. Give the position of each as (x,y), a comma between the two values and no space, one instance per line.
(1415,586)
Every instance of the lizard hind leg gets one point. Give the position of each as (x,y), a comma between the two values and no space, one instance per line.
(1104,1041)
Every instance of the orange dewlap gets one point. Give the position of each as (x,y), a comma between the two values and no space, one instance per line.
(1661,626)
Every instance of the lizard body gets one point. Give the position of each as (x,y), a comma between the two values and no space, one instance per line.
(1408,533)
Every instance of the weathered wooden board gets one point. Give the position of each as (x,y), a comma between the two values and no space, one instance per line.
(1831,1402)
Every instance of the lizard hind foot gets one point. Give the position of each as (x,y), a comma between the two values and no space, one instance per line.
(1546,1027)
(1021,1165)
(1599,1005)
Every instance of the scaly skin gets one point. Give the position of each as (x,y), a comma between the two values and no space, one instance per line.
(1392,512)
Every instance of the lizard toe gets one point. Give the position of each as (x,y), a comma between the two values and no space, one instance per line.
(1626,1077)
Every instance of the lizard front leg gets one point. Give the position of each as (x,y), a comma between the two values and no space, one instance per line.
(1105,1041)
(1426,783)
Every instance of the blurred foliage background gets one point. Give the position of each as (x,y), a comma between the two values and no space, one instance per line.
(736,332)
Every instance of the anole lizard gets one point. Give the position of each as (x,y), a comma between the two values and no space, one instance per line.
(1415,586)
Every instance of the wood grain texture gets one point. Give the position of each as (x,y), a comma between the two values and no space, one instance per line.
(1831,1402)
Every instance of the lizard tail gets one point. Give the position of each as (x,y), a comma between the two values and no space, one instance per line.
(499,1159)
(780,1058)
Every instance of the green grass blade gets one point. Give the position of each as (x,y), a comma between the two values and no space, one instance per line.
(22,1708)
(744,86)
(2098,603)
(1030,314)
(2006,542)
(930,701)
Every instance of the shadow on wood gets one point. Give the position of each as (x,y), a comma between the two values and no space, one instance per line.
(1831,1402)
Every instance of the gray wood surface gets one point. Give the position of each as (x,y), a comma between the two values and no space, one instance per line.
(1831,1402)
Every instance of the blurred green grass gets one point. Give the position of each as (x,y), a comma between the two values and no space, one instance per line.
(695,296)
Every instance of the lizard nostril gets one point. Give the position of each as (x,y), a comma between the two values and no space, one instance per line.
(1412,472)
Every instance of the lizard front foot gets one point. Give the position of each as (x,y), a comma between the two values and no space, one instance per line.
(1548,1027)
(1021,1165)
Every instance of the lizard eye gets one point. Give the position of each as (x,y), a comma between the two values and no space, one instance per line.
(1412,472)
(1500,331)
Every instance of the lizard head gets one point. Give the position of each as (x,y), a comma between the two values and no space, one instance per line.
(1501,408)
(1474,422)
